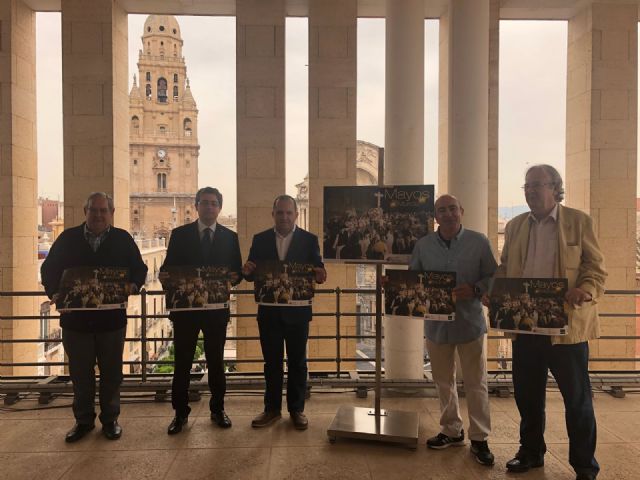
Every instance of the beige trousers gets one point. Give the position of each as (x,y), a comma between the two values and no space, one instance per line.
(473,361)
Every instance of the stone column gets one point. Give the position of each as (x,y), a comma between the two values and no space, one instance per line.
(404,155)
(493,174)
(260,77)
(467,167)
(95,106)
(332,152)
(602,88)
(494,95)
(18,182)
(468,111)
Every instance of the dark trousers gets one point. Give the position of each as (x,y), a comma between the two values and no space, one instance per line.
(83,349)
(186,328)
(280,326)
(533,357)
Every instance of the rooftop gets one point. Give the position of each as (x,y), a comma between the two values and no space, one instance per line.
(32,443)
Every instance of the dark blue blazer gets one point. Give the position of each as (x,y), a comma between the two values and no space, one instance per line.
(304,248)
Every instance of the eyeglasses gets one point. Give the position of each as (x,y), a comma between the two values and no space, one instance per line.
(207,203)
(536,185)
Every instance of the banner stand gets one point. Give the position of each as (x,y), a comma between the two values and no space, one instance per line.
(376,424)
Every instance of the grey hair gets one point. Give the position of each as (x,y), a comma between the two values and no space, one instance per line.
(101,195)
(556,179)
(285,197)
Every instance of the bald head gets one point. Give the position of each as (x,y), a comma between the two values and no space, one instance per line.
(447,199)
(449,213)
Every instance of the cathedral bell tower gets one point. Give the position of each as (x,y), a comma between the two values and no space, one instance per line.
(163,135)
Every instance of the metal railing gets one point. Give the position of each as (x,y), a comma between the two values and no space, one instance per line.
(334,375)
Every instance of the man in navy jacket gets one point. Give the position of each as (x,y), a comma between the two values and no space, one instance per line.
(87,335)
(280,326)
(203,242)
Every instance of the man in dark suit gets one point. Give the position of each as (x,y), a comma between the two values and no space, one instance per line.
(91,335)
(280,326)
(203,242)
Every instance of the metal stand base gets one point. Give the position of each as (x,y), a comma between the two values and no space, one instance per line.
(389,426)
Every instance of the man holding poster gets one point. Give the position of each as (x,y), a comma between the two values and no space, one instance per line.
(201,243)
(282,326)
(554,241)
(90,335)
(453,248)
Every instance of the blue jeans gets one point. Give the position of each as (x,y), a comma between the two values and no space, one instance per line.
(533,357)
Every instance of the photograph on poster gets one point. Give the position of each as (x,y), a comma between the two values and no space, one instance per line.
(529,305)
(284,283)
(427,295)
(93,288)
(197,288)
(371,224)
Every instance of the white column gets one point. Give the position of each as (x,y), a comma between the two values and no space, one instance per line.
(468,82)
(404,154)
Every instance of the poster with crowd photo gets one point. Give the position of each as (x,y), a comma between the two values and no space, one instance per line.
(426,295)
(93,288)
(284,283)
(372,224)
(197,288)
(529,305)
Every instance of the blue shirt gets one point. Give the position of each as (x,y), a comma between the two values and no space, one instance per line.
(469,255)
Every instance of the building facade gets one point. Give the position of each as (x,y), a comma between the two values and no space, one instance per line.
(163,134)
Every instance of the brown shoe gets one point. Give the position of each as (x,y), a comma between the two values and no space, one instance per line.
(299,420)
(265,419)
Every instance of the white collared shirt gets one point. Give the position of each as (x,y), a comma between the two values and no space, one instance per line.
(202,227)
(283,243)
(542,251)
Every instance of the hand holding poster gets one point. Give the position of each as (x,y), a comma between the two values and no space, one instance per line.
(93,288)
(529,305)
(427,295)
(197,288)
(375,224)
(284,283)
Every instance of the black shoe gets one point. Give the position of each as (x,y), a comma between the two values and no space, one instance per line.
(176,424)
(480,450)
(299,420)
(221,419)
(78,431)
(523,462)
(441,441)
(112,430)
(265,419)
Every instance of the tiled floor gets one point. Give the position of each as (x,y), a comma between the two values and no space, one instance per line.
(32,444)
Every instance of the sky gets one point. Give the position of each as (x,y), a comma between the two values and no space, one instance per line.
(532,97)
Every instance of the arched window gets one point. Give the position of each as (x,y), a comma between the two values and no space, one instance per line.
(162,182)
(175,78)
(187,127)
(162,90)
(175,91)
(147,90)
(163,130)
(135,124)
(148,76)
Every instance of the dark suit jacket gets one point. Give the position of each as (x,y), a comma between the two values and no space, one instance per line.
(71,249)
(185,250)
(304,248)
